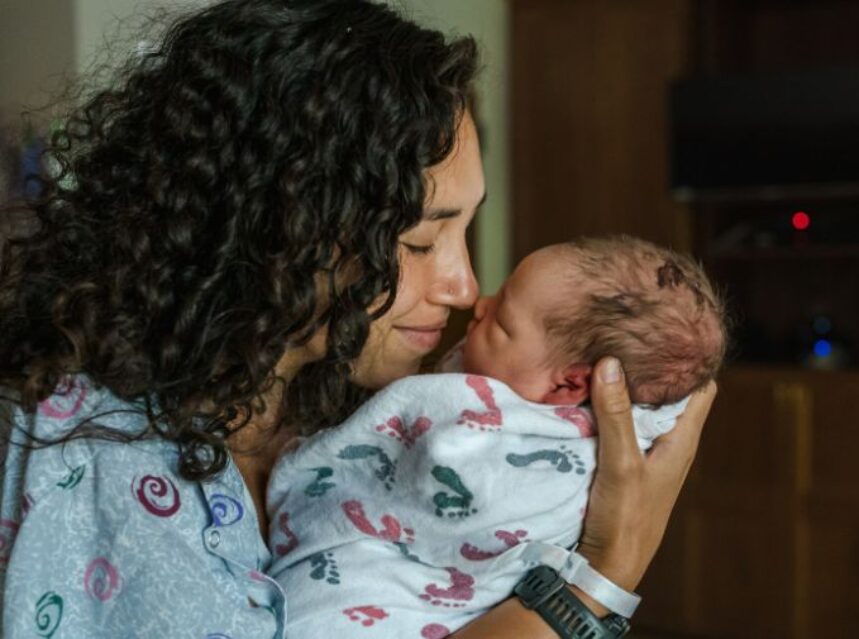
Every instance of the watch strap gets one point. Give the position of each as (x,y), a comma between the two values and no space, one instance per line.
(545,591)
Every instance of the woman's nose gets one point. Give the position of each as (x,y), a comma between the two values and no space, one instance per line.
(465,289)
(459,288)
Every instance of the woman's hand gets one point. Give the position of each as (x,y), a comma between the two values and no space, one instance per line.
(633,492)
(630,501)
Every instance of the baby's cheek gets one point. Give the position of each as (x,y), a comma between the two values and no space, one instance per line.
(472,351)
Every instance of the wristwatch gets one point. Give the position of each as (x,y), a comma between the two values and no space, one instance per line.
(544,591)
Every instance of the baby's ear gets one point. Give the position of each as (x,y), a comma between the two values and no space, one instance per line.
(570,386)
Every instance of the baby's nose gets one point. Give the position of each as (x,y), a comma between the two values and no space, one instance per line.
(480,308)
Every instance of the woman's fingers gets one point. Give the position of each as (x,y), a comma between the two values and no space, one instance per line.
(632,494)
(678,447)
(610,399)
(691,423)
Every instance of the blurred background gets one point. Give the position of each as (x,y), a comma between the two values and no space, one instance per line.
(728,128)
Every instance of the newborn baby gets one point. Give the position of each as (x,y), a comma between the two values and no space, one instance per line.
(433,500)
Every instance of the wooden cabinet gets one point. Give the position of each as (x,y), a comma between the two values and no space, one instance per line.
(765,538)
(590,129)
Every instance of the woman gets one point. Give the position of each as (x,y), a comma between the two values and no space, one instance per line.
(264,220)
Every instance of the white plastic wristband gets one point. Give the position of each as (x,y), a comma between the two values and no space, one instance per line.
(578,572)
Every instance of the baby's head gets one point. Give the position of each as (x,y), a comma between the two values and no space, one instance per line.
(568,305)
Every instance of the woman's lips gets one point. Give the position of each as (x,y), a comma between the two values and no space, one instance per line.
(425,339)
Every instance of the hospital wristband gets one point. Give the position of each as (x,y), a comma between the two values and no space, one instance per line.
(578,572)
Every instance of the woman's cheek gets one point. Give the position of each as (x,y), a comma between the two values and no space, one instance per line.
(411,281)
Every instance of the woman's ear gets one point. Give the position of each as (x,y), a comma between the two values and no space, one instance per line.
(570,386)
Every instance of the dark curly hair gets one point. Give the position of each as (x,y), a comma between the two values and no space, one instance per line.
(212,209)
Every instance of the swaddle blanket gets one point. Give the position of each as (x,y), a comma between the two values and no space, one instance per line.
(429,504)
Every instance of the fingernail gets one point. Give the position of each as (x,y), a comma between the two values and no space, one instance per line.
(611,372)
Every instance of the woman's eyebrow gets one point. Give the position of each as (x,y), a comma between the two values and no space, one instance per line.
(444,214)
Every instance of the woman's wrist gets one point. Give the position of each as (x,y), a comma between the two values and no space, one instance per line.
(621,565)
(594,606)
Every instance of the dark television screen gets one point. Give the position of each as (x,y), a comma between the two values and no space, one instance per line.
(766,130)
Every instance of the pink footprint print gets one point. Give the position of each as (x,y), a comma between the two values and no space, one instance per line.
(291,538)
(509,539)
(461,590)
(406,435)
(579,418)
(367,615)
(391,529)
(491,418)
(434,631)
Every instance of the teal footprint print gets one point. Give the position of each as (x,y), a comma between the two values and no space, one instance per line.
(404,549)
(386,469)
(324,567)
(563,460)
(318,486)
(458,505)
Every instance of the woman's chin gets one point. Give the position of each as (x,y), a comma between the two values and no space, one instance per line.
(375,378)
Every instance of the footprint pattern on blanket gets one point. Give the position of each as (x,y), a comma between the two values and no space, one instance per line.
(390,530)
(319,486)
(461,590)
(386,468)
(366,615)
(291,538)
(509,539)
(579,418)
(563,460)
(489,419)
(457,505)
(434,631)
(324,568)
(404,549)
(406,435)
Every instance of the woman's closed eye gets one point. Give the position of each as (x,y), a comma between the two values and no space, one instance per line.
(418,249)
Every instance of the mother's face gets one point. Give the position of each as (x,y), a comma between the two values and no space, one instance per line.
(435,268)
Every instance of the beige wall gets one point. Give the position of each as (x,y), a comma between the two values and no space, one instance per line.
(36,50)
(488,22)
(45,43)
(117,22)
(99,22)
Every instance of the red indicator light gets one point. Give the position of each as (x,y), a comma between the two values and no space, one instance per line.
(800,220)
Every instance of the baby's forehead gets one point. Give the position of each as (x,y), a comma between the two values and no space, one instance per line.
(571,269)
(551,280)
(626,267)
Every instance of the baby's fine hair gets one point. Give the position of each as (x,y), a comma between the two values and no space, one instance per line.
(652,308)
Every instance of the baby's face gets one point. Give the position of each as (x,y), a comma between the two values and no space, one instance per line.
(507,338)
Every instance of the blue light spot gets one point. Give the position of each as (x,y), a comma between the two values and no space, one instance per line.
(822,348)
